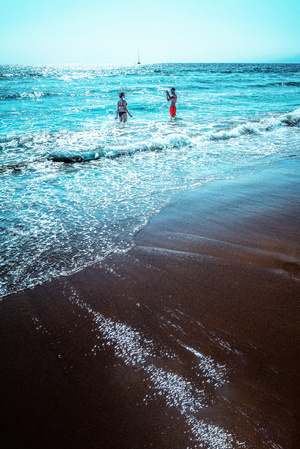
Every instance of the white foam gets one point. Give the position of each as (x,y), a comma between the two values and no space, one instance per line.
(211,370)
(134,350)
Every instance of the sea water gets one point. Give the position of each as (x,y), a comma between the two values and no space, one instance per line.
(77,185)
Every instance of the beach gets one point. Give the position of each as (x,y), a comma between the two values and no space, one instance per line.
(189,339)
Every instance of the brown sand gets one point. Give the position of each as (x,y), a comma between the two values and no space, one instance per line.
(215,273)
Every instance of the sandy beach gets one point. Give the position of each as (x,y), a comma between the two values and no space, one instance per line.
(188,340)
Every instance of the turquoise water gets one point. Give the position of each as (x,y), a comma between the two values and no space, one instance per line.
(77,185)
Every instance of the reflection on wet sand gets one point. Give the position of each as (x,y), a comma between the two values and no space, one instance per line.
(185,341)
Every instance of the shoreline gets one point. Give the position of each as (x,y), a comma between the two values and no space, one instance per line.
(207,299)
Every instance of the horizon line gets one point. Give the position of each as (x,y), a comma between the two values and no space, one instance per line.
(146,63)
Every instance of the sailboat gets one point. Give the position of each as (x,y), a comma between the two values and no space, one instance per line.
(139,57)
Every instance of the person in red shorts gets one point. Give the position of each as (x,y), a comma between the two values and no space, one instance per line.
(172,98)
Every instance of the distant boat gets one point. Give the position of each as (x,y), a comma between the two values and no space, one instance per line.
(139,57)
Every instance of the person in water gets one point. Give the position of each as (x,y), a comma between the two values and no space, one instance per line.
(122,110)
(172,98)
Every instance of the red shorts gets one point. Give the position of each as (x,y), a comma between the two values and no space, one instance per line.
(173,111)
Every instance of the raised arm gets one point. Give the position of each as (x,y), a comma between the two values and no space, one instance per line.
(168,95)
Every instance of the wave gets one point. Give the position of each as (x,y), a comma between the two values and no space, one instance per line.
(180,141)
(256,127)
(280,84)
(158,143)
(14,168)
(288,83)
(70,157)
(19,72)
(269,68)
(26,96)
(82,156)
(19,141)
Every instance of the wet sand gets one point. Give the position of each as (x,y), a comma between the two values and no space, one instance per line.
(188,340)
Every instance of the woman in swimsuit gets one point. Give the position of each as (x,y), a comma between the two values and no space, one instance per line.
(122,110)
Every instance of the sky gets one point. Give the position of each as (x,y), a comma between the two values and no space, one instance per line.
(112,31)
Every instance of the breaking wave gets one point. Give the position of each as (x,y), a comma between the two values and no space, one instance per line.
(262,126)
(26,96)
(257,127)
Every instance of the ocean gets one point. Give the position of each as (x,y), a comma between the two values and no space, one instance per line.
(76,185)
